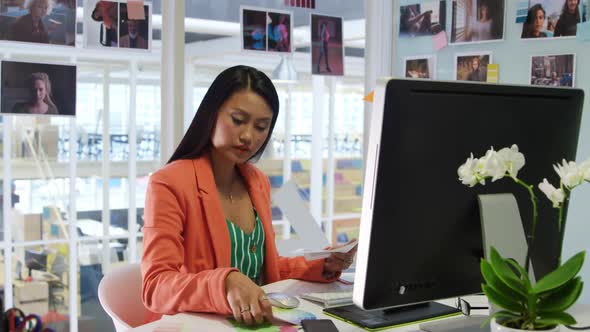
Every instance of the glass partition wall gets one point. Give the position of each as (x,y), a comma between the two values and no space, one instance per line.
(70,187)
(77,185)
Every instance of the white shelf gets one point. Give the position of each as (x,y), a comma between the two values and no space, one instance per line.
(27,169)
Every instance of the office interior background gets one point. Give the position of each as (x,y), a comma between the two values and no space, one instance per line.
(77,185)
(117,143)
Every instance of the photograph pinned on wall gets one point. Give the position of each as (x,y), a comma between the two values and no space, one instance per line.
(134,33)
(106,24)
(554,18)
(426,18)
(38,21)
(327,49)
(38,88)
(420,67)
(279,31)
(101,24)
(253,29)
(553,70)
(477,21)
(472,67)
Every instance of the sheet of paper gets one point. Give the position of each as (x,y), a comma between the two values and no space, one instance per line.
(493,71)
(289,247)
(135,10)
(294,209)
(440,40)
(317,254)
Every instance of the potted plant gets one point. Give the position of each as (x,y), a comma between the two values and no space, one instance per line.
(526,305)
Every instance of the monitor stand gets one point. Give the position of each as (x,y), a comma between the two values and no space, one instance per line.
(457,324)
(395,317)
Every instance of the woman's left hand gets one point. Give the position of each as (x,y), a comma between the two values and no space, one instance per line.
(339,261)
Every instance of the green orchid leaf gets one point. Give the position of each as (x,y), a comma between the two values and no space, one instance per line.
(524,276)
(507,314)
(562,298)
(493,281)
(556,318)
(561,275)
(505,273)
(501,300)
(544,326)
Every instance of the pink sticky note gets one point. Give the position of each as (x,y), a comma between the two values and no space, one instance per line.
(135,10)
(440,40)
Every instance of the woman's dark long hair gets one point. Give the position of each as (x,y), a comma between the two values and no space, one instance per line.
(565,11)
(527,31)
(197,139)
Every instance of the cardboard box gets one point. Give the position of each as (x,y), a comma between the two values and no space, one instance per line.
(32,227)
(26,227)
(36,307)
(29,291)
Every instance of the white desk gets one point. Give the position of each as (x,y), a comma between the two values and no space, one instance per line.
(90,227)
(209,322)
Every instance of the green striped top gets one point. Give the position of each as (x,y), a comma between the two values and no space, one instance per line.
(247,250)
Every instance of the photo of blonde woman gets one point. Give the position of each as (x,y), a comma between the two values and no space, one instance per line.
(38,88)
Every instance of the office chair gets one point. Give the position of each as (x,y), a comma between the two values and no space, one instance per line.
(57,288)
(126,311)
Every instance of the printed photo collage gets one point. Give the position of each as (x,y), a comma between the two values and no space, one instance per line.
(264,30)
(483,21)
(50,88)
(112,24)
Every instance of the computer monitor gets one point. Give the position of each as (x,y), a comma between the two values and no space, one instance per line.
(35,260)
(420,237)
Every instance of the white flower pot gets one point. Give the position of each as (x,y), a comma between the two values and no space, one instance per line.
(495,327)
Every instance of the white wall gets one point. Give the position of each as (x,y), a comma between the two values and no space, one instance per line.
(513,55)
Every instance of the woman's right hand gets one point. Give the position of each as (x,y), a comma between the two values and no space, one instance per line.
(247,300)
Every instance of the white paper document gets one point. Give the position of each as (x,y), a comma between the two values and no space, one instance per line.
(317,254)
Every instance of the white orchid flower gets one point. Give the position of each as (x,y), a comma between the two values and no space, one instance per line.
(468,173)
(492,165)
(557,196)
(571,175)
(513,160)
(585,167)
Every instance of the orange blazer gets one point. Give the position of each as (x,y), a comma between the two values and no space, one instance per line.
(186,243)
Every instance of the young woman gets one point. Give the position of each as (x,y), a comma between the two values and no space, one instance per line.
(30,27)
(567,25)
(482,27)
(40,96)
(324,36)
(477,73)
(208,236)
(533,25)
